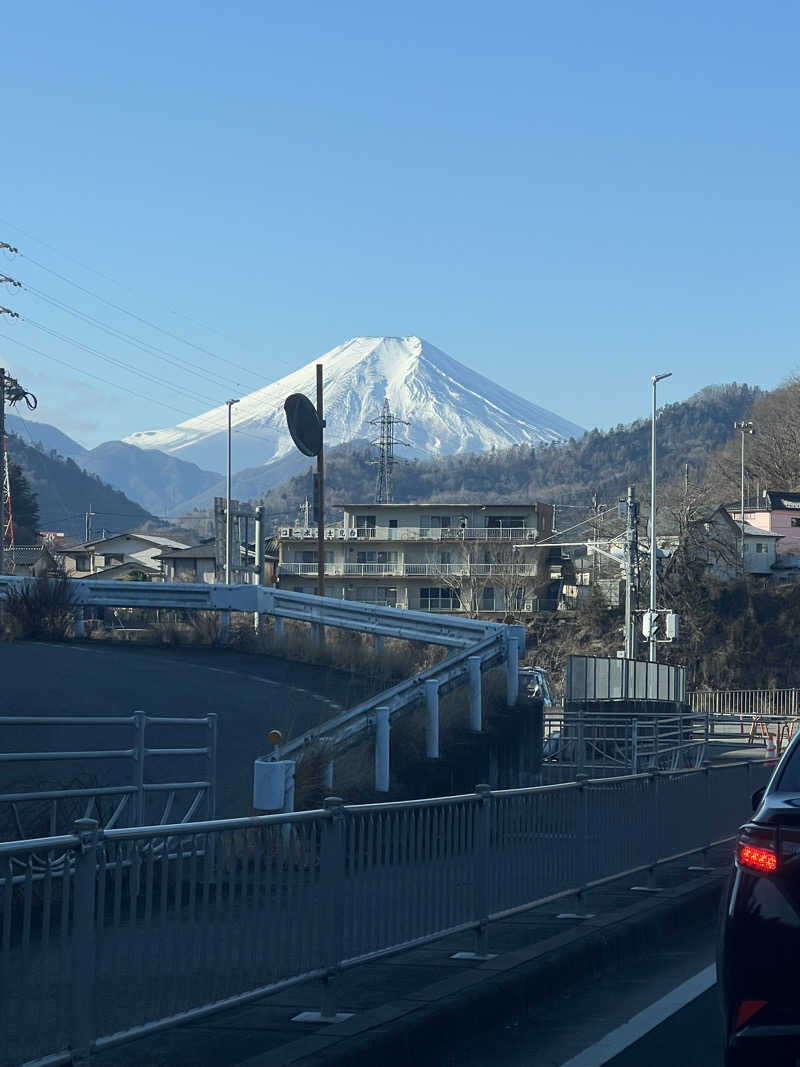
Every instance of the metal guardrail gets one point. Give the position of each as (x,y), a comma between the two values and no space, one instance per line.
(476,643)
(603,678)
(747,702)
(345,727)
(206,916)
(451,631)
(139,802)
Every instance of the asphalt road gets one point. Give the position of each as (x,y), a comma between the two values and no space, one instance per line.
(250,694)
(658,1011)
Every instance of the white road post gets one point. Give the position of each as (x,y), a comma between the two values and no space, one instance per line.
(382,749)
(432,723)
(475,703)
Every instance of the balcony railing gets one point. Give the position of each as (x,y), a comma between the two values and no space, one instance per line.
(421,533)
(413,570)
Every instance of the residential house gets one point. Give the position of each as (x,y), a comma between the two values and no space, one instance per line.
(715,544)
(428,557)
(778,513)
(104,553)
(198,563)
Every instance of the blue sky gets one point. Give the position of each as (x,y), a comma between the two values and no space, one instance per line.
(566,196)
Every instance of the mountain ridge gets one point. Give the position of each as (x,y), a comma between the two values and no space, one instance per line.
(451,408)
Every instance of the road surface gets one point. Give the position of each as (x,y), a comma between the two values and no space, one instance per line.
(250,694)
(654,1012)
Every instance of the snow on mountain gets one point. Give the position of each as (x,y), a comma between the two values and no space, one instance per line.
(450,408)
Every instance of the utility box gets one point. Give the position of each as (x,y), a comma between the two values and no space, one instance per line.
(673,625)
(273,783)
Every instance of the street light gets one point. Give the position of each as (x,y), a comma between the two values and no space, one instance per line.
(744,426)
(230,404)
(655,380)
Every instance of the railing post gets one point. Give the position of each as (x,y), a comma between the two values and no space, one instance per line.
(655,827)
(80,625)
(475,707)
(382,727)
(139,723)
(482,866)
(332,877)
(582,833)
(211,804)
(380,643)
(278,627)
(635,746)
(707,798)
(224,626)
(432,721)
(84,941)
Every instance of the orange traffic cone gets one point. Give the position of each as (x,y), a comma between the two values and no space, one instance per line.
(771,751)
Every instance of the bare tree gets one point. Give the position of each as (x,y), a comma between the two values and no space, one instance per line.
(772,454)
(462,569)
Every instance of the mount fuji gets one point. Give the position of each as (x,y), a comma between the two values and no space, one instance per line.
(449,408)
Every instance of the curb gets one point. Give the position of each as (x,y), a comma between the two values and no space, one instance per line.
(511,984)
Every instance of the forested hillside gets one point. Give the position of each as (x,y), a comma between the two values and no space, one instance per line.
(602,461)
(65,493)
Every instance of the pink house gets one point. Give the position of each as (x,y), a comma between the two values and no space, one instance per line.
(779,514)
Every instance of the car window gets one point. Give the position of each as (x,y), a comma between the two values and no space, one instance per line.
(788,780)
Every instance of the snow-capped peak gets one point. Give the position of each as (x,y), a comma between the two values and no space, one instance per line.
(450,408)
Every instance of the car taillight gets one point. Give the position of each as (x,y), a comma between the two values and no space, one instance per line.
(764,860)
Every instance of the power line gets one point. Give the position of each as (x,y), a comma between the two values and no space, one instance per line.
(120,307)
(145,346)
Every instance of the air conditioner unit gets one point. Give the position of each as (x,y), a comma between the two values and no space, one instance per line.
(286,531)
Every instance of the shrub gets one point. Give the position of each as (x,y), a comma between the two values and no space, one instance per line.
(44,608)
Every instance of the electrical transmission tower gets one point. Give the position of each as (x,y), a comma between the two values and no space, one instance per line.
(386,442)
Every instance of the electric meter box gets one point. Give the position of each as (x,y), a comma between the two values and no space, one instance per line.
(673,626)
(271,782)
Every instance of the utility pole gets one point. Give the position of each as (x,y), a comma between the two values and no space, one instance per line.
(631,553)
(653,547)
(321,490)
(230,404)
(88,524)
(3,452)
(13,392)
(743,426)
(386,442)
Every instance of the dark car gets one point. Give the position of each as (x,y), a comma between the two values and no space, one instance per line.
(759,958)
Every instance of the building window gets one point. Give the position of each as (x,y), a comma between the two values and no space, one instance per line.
(376,557)
(760,546)
(487,600)
(365,524)
(795,522)
(436,599)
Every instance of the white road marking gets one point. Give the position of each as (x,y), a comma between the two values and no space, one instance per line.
(626,1035)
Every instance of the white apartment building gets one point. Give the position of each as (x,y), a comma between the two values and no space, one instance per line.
(429,557)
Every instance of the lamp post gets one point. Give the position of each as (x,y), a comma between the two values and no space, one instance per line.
(230,404)
(654,380)
(744,426)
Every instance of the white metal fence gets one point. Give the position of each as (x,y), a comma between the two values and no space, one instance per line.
(134,745)
(768,703)
(105,935)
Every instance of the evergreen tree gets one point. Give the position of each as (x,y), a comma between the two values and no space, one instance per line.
(24,507)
